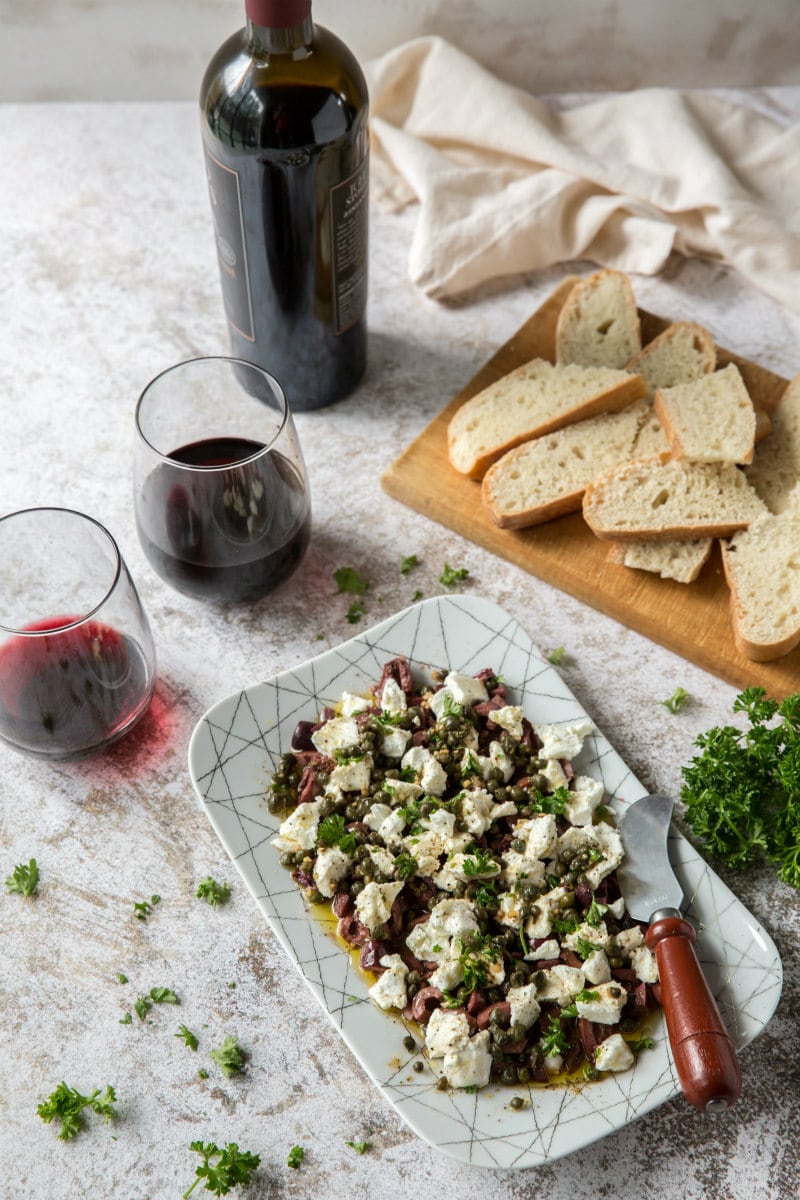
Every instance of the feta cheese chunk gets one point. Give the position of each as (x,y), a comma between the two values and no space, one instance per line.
(431,775)
(597,935)
(553,774)
(524,1005)
(447,976)
(352,704)
(450,918)
(607,1006)
(549,948)
(560,984)
(393,698)
(471,1064)
(627,940)
(601,842)
(400,791)
(465,689)
(331,866)
(563,741)
(352,776)
(500,760)
(394,742)
(478,810)
(299,830)
(597,968)
(389,991)
(445,1032)
(509,718)
(382,860)
(539,834)
(336,734)
(518,866)
(540,922)
(644,964)
(584,798)
(614,1054)
(374,903)
(376,815)
(509,911)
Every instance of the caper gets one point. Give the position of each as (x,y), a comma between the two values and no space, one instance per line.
(518,844)
(523,1076)
(287,858)
(508,1075)
(518,1102)
(410,1044)
(419,1066)
(441,1084)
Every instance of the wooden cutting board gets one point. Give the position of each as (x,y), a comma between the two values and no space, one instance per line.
(692,619)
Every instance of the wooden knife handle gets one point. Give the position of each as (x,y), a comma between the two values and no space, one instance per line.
(704,1056)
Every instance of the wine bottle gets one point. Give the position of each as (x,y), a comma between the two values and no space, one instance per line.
(284,110)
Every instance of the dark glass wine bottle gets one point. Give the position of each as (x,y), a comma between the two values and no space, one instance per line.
(284,119)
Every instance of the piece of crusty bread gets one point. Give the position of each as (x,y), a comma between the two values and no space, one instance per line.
(534,399)
(762,567)
(650,499)
(678,559)
(711,419)
(682,352)
(776,463)
(598,325)
(546,476)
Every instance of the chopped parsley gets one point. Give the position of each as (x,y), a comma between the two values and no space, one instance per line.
(212,892)
(349,580)
(143,908)
(555,1039)
(407,563)
(24,879)
(452,575)
(222,1169)
(677,700)
(189,1038)
(331,832)
(405,866)
(121,978)
(295,1156)
(557,656)
(478,861)
(355,612)
(66,1105)
(229,1057)
(595,913)
(360,1147)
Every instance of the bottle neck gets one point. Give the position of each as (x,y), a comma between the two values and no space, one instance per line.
(279,26)
(268,40)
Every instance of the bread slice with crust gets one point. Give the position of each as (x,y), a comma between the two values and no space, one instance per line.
(530,401)
(649,500)
(776,462)
(598,325)
(682,352)
(547,476)
(711,419)
(762,567)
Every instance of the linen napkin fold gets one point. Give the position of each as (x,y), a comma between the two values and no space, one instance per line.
(505,184)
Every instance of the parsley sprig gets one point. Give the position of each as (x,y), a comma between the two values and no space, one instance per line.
(742,793)
(222,1169)
(331,832)
(229,1057)
(66,1105)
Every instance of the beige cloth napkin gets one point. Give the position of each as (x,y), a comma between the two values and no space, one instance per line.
(505,184)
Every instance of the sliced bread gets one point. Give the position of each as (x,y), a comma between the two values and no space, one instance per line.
(683,352)
(650,499)
(598,325)
(530,401)
(776,463)
(546,476)
(762,567)
(711,419)
(681,559)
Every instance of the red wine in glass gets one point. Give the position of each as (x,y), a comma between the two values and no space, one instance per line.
(233,527)
(75,687)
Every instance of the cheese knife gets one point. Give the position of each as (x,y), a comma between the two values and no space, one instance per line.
(705,1060)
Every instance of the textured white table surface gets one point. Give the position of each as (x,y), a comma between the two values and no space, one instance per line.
(108,275)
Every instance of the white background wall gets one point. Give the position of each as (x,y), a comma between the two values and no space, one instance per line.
(157,49)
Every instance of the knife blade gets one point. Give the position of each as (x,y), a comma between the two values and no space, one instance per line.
(704,1057)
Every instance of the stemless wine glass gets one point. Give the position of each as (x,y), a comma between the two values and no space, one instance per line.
(77,662)
(221,496)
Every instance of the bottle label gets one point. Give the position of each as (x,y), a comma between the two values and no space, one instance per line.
(228,214)
(349,225)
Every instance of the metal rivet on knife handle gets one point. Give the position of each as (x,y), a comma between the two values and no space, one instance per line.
(705,1060)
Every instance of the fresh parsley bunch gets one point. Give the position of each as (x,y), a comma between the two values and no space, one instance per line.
(742,794)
